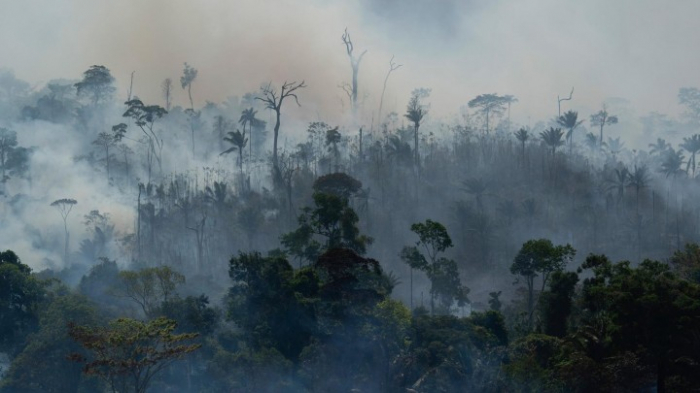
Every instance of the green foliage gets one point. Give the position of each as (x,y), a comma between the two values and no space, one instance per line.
(42,365)
(128,353)
(556,304)
(148,287)
(192,314)
(20,297)
(14,159)
(539,257)
(97,84)
(443,273)
(687,262)
(644,320)
(333,222)
(339,184)
(271,303)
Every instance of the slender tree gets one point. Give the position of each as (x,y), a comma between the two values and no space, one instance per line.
(415,112)
(167,90)
(64,207)
(355,64)
(392,67)
(569,120)
(602,119)
(692,146)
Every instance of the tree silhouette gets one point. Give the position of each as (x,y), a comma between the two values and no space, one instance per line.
(442,272)
(489,104)
(248,117)
(539,257)
(522,135)
(392,67)
(238,140)
(552,138)
(167,89)
(64,207)
(333,138)
(602,119)
(692,146)
(273,100)
(355,64)
(415,112)
(145,117)
(128,353)
(97,84)
(569,120)
(659,147)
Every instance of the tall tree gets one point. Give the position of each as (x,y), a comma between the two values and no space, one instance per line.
(602,119)
(145,117)
(489,104)
(569,120)
(522,136)
(129,353)
(13,158)
(97,84)
(106,140)
(692,146)
(539,257)
(167,90)
(415,112)
(20,297)
(189,74)
(64,207)
(273,100)
(392,67)
(552,138)
(248,117)
(355,64)
(238,140)
(446,285)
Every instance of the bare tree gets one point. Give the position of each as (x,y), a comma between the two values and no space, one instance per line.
(392,67)
(273,100)
(355,64)
(559,100)
(64,207)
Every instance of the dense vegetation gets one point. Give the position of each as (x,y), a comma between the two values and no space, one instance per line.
(410,255)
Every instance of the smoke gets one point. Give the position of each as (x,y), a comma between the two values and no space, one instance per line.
(535,50)
(532,49)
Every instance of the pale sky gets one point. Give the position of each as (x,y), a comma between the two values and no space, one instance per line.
(640,50)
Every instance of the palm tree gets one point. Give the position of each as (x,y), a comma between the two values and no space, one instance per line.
(248,117)
(591,141)
(615,147)
(672,163)
(415,112)
(639,178)
(552,138)
(601,119)
(570,121)
(659,147)
(238,140)
(692,146)
(618,182)
(522,135)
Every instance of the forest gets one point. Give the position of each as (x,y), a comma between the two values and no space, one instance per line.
(178,244)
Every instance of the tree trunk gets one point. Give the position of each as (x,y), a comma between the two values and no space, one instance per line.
(274,143)
(415,145)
